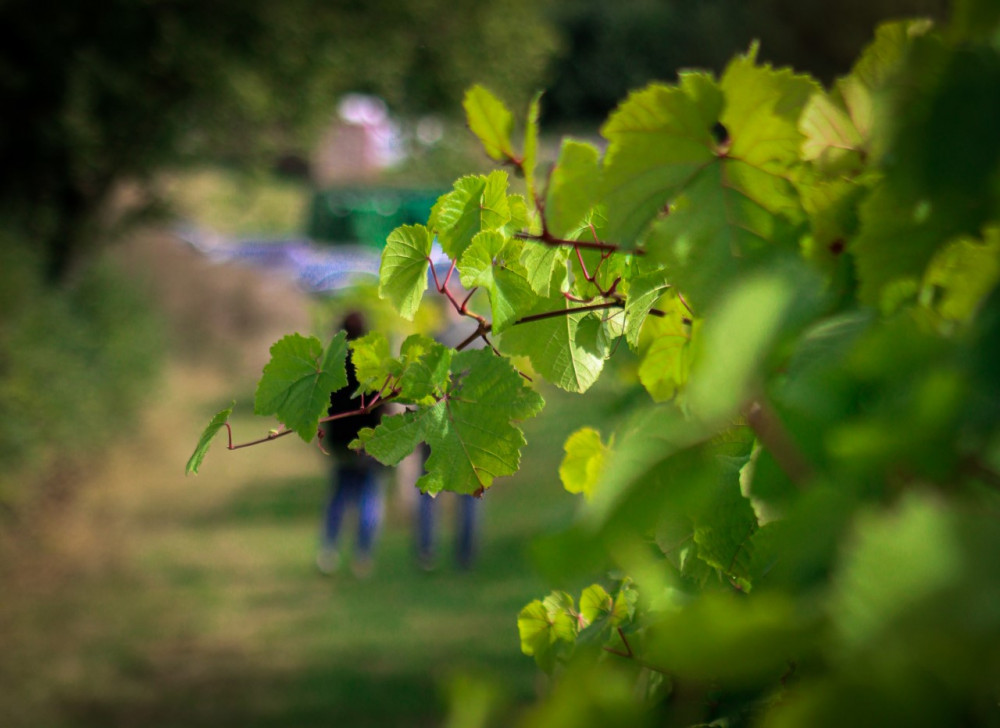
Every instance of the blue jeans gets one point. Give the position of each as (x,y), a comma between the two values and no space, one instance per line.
(465,528)
(358,487)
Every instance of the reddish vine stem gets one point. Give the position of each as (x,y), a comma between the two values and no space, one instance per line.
(549,239)
(680,297)
(379,397)
(442,288)
(569,311)
(771,432)
(628,654)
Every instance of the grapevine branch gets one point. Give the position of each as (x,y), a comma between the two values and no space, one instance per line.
(549,239)
(380,397)
(629,654)
(771,432)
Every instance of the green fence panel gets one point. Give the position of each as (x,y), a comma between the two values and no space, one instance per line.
(366,215)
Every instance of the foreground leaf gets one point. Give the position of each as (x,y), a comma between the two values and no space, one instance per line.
(491,263)
(297,382)
(490,121)
(660,138)
(471,430)
(562,348)
(403,271)
(583,462)
(201,449)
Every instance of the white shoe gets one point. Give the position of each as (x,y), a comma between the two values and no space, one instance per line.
(327,560)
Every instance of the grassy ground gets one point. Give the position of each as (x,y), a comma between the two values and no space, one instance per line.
(158,600)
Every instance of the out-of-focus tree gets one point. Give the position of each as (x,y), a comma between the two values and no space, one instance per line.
(95,96)
(611,48)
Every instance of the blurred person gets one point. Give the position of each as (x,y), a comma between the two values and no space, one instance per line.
(466,506)
(466,521)
(355,475)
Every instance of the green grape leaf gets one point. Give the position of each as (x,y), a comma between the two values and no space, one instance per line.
(583,462)
(529,160)
(201,449)
(563,348)
(963,273)
(455,216)
(542,264)
(897,240)
(595,602)
(626,602)
(548,629)
(573,187)
(491,262)
(471,431)
(490,121)
(643,291)
(832,209)
(297,382)
(840,126)
(602,611)
(475,204)
(563,615)
(518,216)
(659,138)
(736,341)
(723,532)
(666,355)
(736,203)
(372,361)
(495,210)
(534,629)
(733,641)
(732,215)
(762,110)
(896,560)
(403,270)
(426,364)
(675,538)
(833,139)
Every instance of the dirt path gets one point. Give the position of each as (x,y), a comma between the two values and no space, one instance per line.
(154,599)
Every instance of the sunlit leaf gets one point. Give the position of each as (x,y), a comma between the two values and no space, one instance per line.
(492,262)
(472,430)
(297,381)
(659,138)
(583,461)
(562,347)
(403,271)
(489,120)
(573,187)
(371,360)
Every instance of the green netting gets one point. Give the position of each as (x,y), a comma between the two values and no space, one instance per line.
(366,215)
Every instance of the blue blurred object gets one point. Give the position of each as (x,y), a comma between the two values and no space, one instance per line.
(314,267)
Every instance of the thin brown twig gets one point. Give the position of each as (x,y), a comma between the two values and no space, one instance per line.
(548,239)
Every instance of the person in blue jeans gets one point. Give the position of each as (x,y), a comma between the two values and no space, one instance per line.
(455,329)
(466,516)
(354,477)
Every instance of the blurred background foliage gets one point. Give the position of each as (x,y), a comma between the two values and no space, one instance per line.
(608,49)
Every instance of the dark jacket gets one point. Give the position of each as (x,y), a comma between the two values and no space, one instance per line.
(339,433)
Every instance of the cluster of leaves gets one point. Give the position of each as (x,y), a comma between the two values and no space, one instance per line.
(551,628)
(808,278)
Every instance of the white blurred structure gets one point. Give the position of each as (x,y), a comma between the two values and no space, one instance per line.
(362,142)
